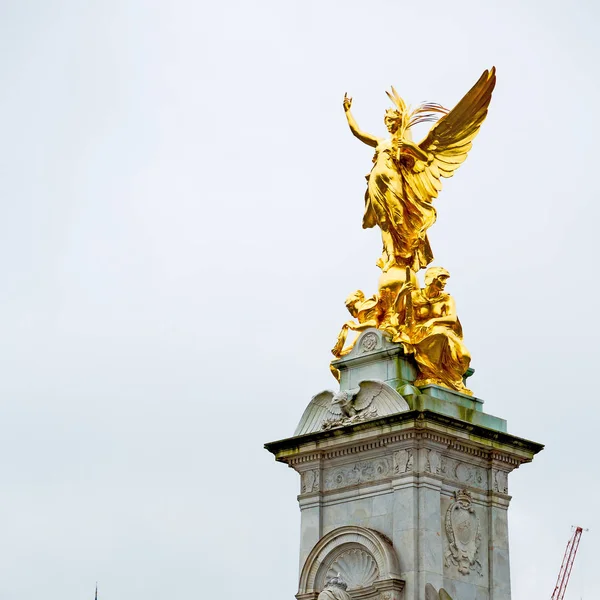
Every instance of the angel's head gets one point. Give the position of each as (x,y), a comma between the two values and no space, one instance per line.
(353,300)
(392,120)
(395,118)
(400,118)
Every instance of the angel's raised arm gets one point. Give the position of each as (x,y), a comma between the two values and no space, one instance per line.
(367,138)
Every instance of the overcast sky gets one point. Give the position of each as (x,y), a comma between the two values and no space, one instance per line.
(181,221)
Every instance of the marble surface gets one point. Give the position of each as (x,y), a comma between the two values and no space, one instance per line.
(430,479)
(401,477)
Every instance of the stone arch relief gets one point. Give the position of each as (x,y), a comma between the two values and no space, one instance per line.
(362,558)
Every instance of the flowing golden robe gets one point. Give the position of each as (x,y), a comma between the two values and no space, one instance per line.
(439,350)
(406,177)
(403,216)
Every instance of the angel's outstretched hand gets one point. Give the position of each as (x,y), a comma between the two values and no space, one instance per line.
(347,102)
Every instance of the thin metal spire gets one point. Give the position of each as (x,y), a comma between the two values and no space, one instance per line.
(96,595)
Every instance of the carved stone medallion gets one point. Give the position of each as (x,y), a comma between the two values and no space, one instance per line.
(462,529)
(369,342)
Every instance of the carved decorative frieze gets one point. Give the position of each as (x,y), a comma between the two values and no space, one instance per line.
(511,462)
(447,466)
(463,473)
(500,481)
(463,532)
(403,461)
(433,463)
(361,472)
(470,474)
(310,481)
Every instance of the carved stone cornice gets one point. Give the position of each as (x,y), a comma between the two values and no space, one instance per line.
(411,429)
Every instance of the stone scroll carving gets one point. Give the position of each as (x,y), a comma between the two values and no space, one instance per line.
(463,532)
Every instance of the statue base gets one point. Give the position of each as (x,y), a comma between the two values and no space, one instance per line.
(415,494)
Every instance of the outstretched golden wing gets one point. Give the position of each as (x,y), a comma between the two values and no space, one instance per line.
(450,139)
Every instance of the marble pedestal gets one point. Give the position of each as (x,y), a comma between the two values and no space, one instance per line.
(415,494)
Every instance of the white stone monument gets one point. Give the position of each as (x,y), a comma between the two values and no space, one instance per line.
(403,489)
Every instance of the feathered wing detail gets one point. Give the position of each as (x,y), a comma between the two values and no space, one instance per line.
(325,409)
(380,396)
(318,410)
(369,390)
(325,399)
(450,139)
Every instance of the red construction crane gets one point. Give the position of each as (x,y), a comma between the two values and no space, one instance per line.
(567,565)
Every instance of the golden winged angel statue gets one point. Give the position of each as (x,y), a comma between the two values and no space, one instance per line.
(406,176)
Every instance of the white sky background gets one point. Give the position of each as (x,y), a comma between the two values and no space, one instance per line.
(181,221)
